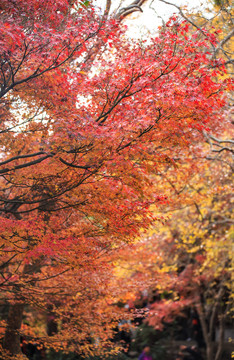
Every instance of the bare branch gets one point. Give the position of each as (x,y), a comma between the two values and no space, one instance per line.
(107,9)
(134,6)
(229,141)
(21,157)
(30,163)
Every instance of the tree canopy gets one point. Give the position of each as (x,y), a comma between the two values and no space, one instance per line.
(88,117)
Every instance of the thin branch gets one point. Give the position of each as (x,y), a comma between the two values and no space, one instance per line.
(221,141)
(107,9)
(21,157)
(134,6)
(73,165)
(30,163)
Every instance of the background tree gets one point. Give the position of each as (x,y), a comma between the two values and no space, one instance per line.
(190,257)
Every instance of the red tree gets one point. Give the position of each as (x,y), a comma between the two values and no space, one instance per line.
(77,154)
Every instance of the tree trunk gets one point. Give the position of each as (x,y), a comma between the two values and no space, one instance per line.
(11,340)
(206,332)
(209,351)
(221,339)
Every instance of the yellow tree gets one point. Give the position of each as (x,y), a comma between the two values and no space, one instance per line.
(190,256)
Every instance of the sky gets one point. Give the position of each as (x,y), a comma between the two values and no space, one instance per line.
(153,13)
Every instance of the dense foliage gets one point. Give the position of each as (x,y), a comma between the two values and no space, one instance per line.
(80,146)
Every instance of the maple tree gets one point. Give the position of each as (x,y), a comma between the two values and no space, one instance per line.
(79,145)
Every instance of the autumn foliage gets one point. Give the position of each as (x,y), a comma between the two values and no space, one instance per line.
(79,151)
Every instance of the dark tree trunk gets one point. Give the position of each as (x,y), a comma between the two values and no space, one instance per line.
(11,341)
